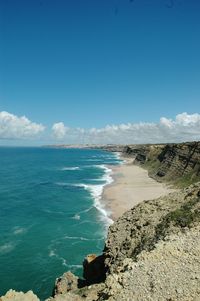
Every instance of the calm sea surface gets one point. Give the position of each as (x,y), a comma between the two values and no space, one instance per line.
(50,213)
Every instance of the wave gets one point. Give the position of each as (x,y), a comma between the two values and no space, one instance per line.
(62,184)
(78,266)
(43,183)
(91,160)
(76,217)
(85,210)
(76,237)
(70,168)
(85,222)
(118,158)
(19,230)
(7,248)
(80,238)
(52,253)
(96,191)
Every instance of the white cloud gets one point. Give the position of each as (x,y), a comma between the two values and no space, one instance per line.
(59,130)
(185,127)
(186,119)
(14,127)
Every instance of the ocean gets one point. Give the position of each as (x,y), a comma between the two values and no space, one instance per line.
(51,215)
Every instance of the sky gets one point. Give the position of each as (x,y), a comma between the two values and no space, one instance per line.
(99,71)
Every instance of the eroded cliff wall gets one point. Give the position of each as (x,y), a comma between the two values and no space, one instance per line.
(176,163)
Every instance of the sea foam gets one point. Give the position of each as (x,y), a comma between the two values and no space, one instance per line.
(7,247)
(97,190)
(70,168)
(19,230)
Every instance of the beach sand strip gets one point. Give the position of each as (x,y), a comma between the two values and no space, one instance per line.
(131,186)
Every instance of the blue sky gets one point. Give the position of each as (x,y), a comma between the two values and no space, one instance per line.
(90,64)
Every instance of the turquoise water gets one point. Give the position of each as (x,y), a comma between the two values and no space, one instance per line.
(50,214)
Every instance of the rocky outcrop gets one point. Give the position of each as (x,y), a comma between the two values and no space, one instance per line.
(70,287)
(68,282)
(12,295)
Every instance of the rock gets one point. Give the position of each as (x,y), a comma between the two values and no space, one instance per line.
(94,270)
(12,295)
(162,274)
(160,173)
(68,282)
(66,297)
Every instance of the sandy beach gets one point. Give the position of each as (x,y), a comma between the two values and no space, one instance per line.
(131,186)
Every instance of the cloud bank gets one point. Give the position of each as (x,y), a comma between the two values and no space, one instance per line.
(14,127)
(185,127)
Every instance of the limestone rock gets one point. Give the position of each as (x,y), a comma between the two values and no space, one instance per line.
(12,295)
(68,282)
(171,271)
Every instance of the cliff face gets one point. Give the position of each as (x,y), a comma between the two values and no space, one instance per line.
(169,162)
(177,160)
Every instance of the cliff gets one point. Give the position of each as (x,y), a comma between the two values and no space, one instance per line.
(152,251)
(175,163)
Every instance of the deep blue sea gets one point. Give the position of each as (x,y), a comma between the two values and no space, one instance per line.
(51,215)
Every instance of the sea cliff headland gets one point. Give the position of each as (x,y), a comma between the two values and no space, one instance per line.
(152,250)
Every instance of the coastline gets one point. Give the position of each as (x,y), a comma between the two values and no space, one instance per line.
(131,185)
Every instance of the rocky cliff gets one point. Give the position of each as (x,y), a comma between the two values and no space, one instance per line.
(175,163)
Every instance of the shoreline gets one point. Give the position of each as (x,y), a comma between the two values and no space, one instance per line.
(131,185)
